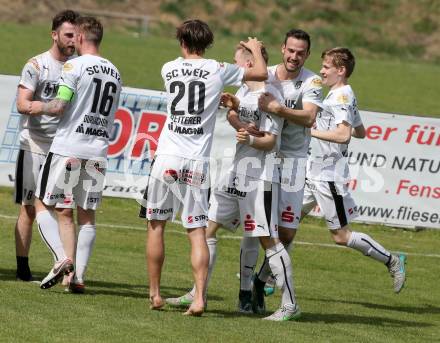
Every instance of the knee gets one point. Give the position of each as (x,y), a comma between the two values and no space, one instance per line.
(65,215)
(28,212)
(341,237)
(286,236)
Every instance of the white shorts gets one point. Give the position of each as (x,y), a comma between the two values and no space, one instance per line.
(177,184)
(234,202)
(27,169)
(333,199)
(293,177)
(64,177)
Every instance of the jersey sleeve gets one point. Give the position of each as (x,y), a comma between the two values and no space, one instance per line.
(271,123)
(231,74)
(343,110)
(313,91)
(357,120)
(30,75)
(70,76)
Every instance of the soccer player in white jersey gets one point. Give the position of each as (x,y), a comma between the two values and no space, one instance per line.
(248,194)
(179,177)
(39,81)
(87,100)
(302,95)
(327,169)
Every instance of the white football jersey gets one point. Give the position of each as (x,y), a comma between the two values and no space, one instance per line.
(306,87)
(86,124)
(40,75)
(248,160)
(327,160)
(193,89)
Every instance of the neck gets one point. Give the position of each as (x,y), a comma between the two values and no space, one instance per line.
(340,83)
(283,74)
(55,52)
(189,56)
(255,85)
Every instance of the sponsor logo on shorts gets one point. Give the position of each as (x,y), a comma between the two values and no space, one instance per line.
(159,210)
(170,175)
(249,223)
(185,176)
(192,219)
(352,210)
(93,200)
(55,196)
(235,222)
(288,216)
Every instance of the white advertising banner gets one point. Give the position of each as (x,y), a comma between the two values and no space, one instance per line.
(395,169)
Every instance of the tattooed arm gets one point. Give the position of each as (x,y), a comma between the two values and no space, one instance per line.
(53,108)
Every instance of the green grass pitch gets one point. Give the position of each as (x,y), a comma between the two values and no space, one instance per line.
(344,296)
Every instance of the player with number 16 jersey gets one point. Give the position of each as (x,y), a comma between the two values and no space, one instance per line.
(85,128)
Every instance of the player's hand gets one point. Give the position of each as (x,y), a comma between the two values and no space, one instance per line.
(242,136)
(268,103)
(230,101)
(253,44)
(35,108)
(253,130)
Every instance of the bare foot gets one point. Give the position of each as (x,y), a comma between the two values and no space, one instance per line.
(156,302)
(195,310)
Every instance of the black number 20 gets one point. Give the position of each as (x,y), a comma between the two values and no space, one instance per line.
(192,87)
(104,99)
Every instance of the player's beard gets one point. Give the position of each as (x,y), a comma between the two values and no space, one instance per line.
(291,69)
(65,49)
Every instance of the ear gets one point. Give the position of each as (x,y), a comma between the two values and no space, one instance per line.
(54,35)
(342,71)
(283,48)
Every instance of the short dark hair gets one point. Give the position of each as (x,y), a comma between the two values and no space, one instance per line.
(92,29)
(298,34)
(66,16)
(249,52)
(196,35)
(341,57)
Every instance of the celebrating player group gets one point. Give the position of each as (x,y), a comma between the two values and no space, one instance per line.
(291,148)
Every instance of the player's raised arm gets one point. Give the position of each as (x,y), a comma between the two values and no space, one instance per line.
(258,71)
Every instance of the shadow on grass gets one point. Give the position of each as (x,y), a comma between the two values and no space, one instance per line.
(427,309)
(99,287)
(330,318)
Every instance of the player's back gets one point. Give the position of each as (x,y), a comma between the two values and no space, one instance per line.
(193,90)
(85,127)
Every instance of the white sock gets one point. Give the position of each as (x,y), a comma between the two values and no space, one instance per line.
(248,259)
(212,247)
(48,228)
(281,266)
(84,247)
(369,247)
(265,272)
